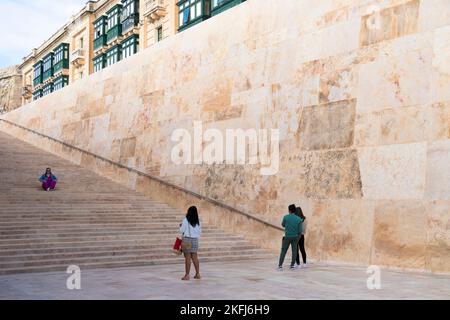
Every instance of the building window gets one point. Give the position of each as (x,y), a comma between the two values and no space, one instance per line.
(113,56)
(47,89)
(128,8)
(159,33)
(61,58)
(113,17)
(81,43)
(114,25)
(47,69)
(130,14)
(60,83)
(99,63)
(99,32)
(37,73)
(99,29)
(192,11)
(37,94)
(130,46)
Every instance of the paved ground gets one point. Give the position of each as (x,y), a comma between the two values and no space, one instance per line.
(227,281)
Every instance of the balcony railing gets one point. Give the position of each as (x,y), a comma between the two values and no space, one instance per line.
(100,42)
(155,10)
(37,81)
(114,33)
(47,74)
(77,57)
(129,21)
(60,66)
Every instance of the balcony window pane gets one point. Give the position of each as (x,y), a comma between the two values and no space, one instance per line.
(186,15)
(199,8)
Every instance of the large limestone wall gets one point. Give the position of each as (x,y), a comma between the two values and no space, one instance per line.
(10,89)
(362,103)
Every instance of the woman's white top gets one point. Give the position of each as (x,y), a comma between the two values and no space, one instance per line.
(189,231)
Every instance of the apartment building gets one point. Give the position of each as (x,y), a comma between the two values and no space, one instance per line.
(105,32)
(62,59)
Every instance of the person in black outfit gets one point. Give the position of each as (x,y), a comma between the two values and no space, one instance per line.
(301,241)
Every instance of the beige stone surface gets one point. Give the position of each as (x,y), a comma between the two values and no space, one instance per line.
(437,255)
(399,234)
(438,170)
(363,116)
(10,89)
(228,281)
(393,171)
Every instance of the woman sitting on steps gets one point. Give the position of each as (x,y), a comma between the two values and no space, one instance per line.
(48,180)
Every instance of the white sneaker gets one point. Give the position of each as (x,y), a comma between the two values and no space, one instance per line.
(48,189)
(279,268)
(297,266)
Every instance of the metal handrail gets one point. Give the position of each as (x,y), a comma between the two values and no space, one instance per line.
(164,182)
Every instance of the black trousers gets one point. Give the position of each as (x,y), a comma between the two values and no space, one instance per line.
(301,247)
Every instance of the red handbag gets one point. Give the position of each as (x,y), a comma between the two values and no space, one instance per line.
(177,246)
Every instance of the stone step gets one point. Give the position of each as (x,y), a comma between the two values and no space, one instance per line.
(103,223)
(96,240)
(136,263)
(121,246)
(91,220)
(8,231)
(125,258)
(155,252)
(86,233)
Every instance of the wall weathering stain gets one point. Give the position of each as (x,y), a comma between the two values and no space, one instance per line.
(363,117)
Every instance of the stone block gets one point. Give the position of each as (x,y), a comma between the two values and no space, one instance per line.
(327,126)
(333,175)
(400,234)
(438,170)
(390,23)
(394,171)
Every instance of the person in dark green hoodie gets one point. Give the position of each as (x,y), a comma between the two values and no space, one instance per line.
(292,230)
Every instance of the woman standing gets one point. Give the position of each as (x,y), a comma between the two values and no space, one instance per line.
(191,230)
(301,241)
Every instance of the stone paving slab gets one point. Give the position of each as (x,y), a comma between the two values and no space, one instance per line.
(227,281)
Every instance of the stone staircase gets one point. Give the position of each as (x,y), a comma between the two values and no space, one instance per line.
(89,221)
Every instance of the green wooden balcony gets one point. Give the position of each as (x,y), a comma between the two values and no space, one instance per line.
(64,64)
(114,33)
(100,42)
(47,74)
(37,81)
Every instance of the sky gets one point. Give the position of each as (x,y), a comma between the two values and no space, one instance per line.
(26,24)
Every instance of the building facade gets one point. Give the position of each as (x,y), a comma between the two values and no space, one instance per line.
(105,32)
(64,58)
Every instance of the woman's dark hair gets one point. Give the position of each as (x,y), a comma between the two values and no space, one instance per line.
(291,208)
(299,212)
(192,216)
(48,170)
